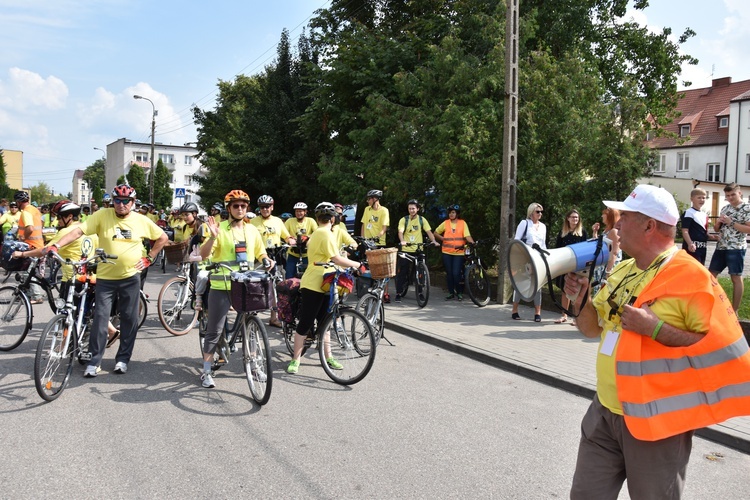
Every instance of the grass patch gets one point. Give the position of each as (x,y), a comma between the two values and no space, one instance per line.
(726,284)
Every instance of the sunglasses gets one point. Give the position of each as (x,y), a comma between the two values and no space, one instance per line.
(238,205)
(539,211)
(264,207)
(122,201)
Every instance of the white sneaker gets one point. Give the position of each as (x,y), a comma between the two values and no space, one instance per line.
(121,367)
(208,380)
(91,371)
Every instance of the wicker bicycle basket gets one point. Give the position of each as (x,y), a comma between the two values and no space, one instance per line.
(177,252)
(382,262)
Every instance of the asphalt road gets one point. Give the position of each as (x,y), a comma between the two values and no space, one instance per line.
(425,423)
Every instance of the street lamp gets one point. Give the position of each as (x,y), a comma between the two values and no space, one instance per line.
(153,129)
(104,153)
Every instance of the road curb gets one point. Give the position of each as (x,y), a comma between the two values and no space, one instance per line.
(709,433)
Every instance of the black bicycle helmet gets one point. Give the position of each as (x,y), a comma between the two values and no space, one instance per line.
(189,207)
(218,206)
(413,201)
(21,196)
(375,193)
(455,207)
(325,208)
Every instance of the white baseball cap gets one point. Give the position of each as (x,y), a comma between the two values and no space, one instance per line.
(652,201)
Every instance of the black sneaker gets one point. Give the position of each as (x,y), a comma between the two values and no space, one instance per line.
(398,298)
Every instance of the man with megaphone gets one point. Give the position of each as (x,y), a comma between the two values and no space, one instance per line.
(672,357)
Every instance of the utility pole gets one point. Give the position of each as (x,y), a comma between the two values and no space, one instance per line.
(153,163)
(510,143)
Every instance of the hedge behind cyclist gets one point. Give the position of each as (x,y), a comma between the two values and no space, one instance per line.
(322,247)
(454,234)
(231,242)
(121,232)
(300,227)
(410,229)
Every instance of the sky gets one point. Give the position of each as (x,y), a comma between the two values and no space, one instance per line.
(69,68)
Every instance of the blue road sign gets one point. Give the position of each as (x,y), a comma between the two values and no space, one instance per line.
(179,192)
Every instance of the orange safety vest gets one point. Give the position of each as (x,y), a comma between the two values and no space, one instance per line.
(454,244)
(665,391)
(35,238)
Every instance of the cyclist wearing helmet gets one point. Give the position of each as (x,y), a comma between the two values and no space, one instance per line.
(301,227)
(453,234)
(375,219)
(409,236)
(10,218)
(343,238)
(238,244)
(49,224)
(192,224)
(30,232)
(106,200)
(271,227)
(216,210)
(121,232)
(321,247)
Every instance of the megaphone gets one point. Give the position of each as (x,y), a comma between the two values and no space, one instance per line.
(528,272)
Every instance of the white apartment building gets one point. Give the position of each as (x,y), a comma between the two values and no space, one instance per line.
(181,161)
(81,191)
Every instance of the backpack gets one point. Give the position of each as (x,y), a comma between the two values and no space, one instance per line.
(10,246)
(287,299)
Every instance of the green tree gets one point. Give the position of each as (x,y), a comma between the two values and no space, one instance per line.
(136,178)
(162,191)
(94,177)
(42,193)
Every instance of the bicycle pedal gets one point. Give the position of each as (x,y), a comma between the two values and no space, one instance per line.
(85,356)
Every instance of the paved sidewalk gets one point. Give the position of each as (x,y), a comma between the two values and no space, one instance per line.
(554,354)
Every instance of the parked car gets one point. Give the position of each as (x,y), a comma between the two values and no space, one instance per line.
(349,217)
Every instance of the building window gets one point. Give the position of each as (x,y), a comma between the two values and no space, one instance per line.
(683,162)
(166,158)
(713,172)
(747,163)
(684,130)
(140,156)
(723,122)
(188,180)
(188,160)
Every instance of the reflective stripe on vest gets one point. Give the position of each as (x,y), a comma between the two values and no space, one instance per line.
(665,391)
(455,243)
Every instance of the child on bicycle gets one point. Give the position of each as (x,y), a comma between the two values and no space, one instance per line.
(232,242)
(409,236)
(321,247)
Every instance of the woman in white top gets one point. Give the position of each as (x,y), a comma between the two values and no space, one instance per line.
(531,231)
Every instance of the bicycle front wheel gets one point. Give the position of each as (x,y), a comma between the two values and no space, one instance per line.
(53,362)
(256,355)
(478,285)
(372,308)
(422,284)
(15,317)
(347,349)
(175,311)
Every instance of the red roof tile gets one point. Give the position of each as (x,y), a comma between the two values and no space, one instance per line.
(700,108)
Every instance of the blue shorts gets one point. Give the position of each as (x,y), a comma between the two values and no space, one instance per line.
(732,259)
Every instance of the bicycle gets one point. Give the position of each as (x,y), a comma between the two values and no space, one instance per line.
(345,333)
(419,274)
(16,313)
(371,306)
(475,276)
(249,329)
(176,302)
(66,335)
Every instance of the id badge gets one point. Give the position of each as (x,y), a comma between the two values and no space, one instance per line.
(369,225)
(609,343)
(240,251)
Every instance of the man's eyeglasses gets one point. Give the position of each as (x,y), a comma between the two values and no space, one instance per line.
(239,205)
(121,201)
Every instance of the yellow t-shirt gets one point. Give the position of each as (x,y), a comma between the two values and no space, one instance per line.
(373,222)
(320,248)
(272,230)
(121,237)
(295,228)
(74,250)
(343,238)
(412,231)
(674,311)
(8,220)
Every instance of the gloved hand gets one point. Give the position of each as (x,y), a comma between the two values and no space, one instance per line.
(145,262)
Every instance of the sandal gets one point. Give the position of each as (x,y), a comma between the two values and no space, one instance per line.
(563,319)
(275,323)
(515,316)
(111,340)
(537,318)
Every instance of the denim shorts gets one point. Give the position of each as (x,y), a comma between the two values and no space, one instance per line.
(732,259)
